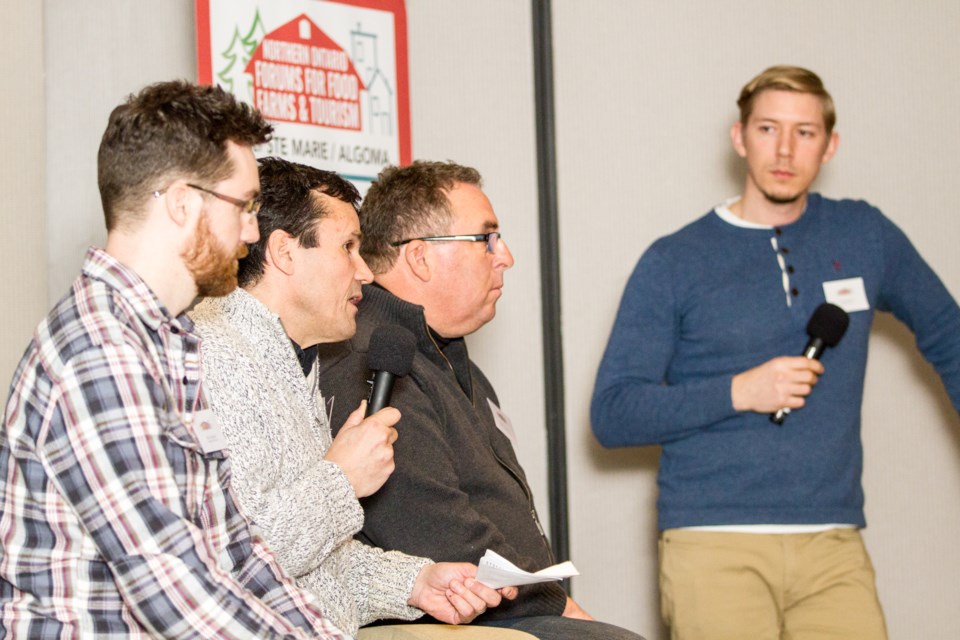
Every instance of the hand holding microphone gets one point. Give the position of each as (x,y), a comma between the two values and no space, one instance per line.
(826,327)
(784,382)
(363,448)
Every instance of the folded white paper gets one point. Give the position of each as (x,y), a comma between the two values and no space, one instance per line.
(495,571)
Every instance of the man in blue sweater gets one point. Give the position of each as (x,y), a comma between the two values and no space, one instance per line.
(760,523)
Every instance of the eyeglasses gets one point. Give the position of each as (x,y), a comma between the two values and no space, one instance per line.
(251,206)
(491,239)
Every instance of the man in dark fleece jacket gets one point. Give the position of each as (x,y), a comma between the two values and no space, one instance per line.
(432,240)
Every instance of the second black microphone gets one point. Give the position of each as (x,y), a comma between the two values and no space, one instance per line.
(390,356)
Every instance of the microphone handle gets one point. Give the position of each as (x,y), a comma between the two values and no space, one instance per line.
(380,393)
(812,351)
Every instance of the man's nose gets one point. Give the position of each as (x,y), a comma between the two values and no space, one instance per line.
(503,255)
(785,144)
(363,275)
(249,230)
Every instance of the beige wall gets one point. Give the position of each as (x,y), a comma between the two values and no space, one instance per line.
(645,94)
(22,198)
(123,46)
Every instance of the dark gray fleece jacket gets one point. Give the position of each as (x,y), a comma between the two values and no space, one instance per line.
(458,488)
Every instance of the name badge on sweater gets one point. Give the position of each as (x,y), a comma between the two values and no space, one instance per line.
(502,421)
(849,294)
(209,434)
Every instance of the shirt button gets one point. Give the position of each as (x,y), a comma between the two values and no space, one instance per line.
(174,330)
(789,268)
(185,380)
(778,231)
(795,292)
(785,251)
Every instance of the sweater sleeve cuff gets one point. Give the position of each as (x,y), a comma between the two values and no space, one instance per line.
(713,399)
(392,586)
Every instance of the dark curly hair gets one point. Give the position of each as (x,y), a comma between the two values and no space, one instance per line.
(167,131)
(288,202)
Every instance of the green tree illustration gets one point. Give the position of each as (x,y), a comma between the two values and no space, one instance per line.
(236,56)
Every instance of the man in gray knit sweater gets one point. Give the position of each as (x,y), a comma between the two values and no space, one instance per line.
(300,286)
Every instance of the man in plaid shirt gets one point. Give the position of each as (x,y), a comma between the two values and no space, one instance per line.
(116,517)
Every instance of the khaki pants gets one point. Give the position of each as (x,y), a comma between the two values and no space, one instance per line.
(440,632)
(737,586)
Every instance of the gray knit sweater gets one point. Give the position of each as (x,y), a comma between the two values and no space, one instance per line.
(304,505)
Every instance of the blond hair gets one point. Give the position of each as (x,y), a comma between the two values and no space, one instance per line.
(787,78)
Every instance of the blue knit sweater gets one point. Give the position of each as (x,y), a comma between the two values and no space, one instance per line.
(710,301)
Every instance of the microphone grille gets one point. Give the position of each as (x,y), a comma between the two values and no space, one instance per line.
(391,349)
(828,322)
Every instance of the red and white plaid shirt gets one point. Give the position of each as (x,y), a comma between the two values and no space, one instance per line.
(114,523)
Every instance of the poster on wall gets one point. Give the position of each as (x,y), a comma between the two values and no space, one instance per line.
(330,75)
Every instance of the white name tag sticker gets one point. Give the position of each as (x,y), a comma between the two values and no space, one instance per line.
(502,421)
(849,294)
(208,431)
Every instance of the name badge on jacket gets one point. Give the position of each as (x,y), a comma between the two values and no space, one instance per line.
(503,423)
(208,431)
(849,294)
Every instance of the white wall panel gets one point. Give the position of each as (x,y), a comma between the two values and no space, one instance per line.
(22,214)
(97,53)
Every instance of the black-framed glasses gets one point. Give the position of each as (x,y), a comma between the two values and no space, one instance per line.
(251,206)
(491,239)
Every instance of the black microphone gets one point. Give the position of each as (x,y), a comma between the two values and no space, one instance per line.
(827,325)
(389,356)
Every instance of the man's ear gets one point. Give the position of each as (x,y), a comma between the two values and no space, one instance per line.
(736,137)
(279,251)
(418,260)
(182,204)
(831,149)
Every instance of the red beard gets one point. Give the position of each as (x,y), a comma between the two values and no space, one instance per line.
(214,268)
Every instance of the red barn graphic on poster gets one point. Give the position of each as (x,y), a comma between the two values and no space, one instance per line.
(330,75)
(301,75)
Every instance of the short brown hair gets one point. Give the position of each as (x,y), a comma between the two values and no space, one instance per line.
(787,78)
(407,202)
(170,130)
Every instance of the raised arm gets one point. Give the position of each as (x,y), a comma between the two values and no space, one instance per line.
(914,293)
